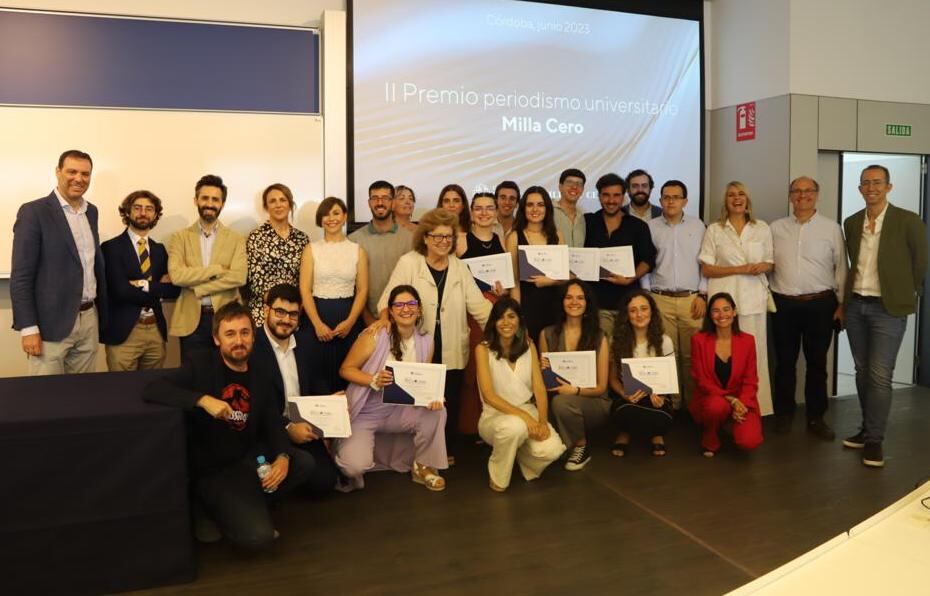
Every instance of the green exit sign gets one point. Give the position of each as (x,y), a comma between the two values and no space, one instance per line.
(897,130)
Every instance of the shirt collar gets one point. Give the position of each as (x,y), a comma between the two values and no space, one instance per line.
(670,224)
(203,232)
(135,237)
(794,218)
(878,220)
(291,343)
(373,230)
(65,205)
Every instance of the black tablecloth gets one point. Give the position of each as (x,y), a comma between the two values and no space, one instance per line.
(93,496)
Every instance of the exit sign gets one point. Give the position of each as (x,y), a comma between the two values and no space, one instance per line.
(897,130)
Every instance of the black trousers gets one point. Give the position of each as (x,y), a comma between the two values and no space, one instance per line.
(808,325)
(640,419)
(454,378)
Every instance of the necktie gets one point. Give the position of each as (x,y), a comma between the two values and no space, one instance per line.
(145,264)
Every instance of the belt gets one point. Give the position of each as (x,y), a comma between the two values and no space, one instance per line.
(86,305)
(674,294)
(147,320)
(805,297)
(867,298)
(206,309)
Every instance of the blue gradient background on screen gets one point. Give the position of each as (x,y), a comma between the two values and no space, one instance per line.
(485,47)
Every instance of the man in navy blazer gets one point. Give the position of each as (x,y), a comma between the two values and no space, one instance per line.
(639,185)
(286,356)
(137,281)
(58,283)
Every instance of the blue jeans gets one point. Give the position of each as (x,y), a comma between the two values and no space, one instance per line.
(874,339)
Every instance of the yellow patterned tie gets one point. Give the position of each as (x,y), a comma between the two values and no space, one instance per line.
(145,264)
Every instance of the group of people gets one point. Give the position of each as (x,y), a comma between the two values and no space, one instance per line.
(274,315)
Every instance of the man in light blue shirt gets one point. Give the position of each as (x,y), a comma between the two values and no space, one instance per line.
(676,283)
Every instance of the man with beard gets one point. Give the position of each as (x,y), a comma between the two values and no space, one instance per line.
(232,421)
(208,261)
(607,227)
(384,242)
(506,197)
(639,185)
(569,217)
(285,354)
(137,281)
(57,284)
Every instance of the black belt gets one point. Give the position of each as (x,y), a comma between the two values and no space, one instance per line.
(867,298)
(674,294)
(805,297)
(86,305)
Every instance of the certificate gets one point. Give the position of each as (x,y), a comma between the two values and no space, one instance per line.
(550,260)
(656,375)
(617,260)
(491,269)
(578,368)
(415,383)
(583,262)
(328,415)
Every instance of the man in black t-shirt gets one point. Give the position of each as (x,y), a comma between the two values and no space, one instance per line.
(232,422)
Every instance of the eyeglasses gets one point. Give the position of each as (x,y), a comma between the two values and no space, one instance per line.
(868,183)
(672,198)
(408,304)
(803,191)
(144,208)
(380,199)
(440,237)
(290,314)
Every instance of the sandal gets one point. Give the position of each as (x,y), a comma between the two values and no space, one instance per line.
(427,477)
(708,453)
(658,449)
(619,449)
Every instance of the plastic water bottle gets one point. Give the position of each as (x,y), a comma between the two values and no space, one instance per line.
(264,468)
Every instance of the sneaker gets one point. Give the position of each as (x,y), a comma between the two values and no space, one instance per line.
(579,458)
(783,424)
(821,429)
(857,441)
(206,530)
(872,455)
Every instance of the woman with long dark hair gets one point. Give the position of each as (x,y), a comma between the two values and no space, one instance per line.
(577,409)
(638,334)
(452,199)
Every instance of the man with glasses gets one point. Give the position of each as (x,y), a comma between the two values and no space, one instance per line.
(284,353)
(569,217)
(506,197)
(384,242)
(676,283)
(887,249)
(639,185)
(810,272)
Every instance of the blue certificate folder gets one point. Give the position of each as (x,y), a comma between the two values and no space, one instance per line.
(394,394)
(630,383)
(551,379)
(526,270)
(293,413)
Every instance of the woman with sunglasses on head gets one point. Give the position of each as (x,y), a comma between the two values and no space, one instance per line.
(534,224)
(723,364)
(510,380)
(390,436)
(577,409)
(448,293)
(404,203)
(638,334)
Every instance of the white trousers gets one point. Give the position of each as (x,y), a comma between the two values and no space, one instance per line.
(509,437)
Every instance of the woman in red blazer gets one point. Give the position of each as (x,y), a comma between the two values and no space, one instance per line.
(723,364)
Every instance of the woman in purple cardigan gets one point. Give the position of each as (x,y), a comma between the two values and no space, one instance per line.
(409,439)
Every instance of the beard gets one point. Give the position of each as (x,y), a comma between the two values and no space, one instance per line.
(282,331)
(639,199)
(208,214)
(231,357)
(142,223)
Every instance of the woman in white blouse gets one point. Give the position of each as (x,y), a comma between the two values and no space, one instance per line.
(735,256)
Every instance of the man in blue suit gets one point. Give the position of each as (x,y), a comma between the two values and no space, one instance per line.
(137,281)
(58,284)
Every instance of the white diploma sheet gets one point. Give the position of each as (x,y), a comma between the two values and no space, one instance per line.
(491,269)
(415,383)
(326,413)
(660,373)
(578,368)
(583,262)
(550,260)
(617,260)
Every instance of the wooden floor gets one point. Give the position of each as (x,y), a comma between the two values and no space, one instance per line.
(640,525)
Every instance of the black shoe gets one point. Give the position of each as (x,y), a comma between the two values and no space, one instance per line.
(872,455)
(820,429)
(783,424)
(579,458)
(857,441)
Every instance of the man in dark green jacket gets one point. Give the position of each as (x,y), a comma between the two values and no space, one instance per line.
(887,249)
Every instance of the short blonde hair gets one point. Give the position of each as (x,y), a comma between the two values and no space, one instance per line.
(430,221)
(725,214)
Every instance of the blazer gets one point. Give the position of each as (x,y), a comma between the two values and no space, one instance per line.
(264,359)
(744,379)
(902,258)
(126,301)
(460,297)
(47,278)
(220,279)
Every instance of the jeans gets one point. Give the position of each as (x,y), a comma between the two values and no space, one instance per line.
(874,339)
(200,339)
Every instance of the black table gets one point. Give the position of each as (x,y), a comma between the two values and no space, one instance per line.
(93,496)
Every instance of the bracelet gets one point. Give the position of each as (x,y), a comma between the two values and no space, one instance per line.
(374,383)
(577,390)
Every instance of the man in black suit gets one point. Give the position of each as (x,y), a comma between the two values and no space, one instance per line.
(137,281)
(286,354)
(57,283)
(233,420)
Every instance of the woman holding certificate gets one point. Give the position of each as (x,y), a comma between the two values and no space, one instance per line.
(448,293)
(723,364)
(735,256)
(574,408)
(509,378)
(389,436)
(534,224)
(334,289)
(638,334)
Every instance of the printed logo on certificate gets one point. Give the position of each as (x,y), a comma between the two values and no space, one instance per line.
(550,260)
(415,383)
(327,415)
(578,368)
(583,262)
(617,260)
(658,374)
(490,269)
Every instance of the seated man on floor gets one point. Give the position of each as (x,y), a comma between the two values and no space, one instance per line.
(233,422)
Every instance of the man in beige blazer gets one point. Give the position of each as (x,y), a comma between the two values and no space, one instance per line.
(208,262)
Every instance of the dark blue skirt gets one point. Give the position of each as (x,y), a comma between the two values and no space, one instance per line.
(329,355)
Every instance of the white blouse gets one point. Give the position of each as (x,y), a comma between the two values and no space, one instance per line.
(335,265)
(722,246)
(514,385)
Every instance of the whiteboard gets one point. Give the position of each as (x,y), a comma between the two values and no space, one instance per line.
(165,152)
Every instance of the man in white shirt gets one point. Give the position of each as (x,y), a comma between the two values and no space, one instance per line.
(807,284)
